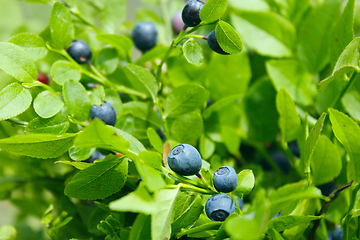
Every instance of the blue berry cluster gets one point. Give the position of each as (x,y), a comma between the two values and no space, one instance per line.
(185,160)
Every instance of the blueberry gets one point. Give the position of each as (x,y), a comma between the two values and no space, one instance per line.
(213,43)
(177,22)
(225,179)
(80,51)
(191,13)
(219,207)
(96,155)
(327,188)
(281,160)
(209,102)
(337,234)
(294,148)
(185,160)
(104,112)
(144,36)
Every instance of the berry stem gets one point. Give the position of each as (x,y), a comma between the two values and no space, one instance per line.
(17,123)
(191,188)
(183,179)
(39,84)
(206,183)
(197,36)
(76,13)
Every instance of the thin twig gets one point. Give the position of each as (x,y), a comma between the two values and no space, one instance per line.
(325,206)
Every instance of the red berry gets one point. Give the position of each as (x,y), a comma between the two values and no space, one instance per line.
(43,78)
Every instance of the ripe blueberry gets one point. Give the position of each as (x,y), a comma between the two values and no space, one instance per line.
(80,51)
(338,234)
(96,155)
(43,78)
(104,112)
(177,22)
(225,179)
(191,13)
(144,36)
(185,160)
(219,207)
(240,203)
(213,43)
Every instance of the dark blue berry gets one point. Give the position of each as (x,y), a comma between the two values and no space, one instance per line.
(338,234)
(96,155)
(219,207)
(277,215)
(80,51)
(144,36)
(294,148)
(240,203)
(104,112)
(191,13)
(177,22)
(225,179)
(209,102)
(281,160)
(213,43)
(161,134)
(185,160)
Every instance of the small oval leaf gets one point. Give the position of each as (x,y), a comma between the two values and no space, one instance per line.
(228,38)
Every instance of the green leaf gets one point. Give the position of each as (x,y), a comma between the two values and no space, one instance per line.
(188,207)
(311,142)
(113,15)
(138,201)
(107,60)
(246,182)
(77,100)
(253,224)
(274,234)
(267,33)
(7,232)
(161,219)
(79,154)
(220,104)
(228,38)
(31,43)
(99,180)
(61,71)
(193,52)
(14,99)
(325,162)
(143,111)
(155,140)
(141,228)
(347,131)
(199,229)
(142,80)
(213,10)
(289,121)
(135,145)
(348,61)
(21,68)
(148,165)
(227,68)
(121,43)
(77,165)
(317,25)
(97,96)
(343,31)
(57,125)
(184,99)
(38,145)
(187,128)
(293,76)
(62,29)
(207,147)
(286,222)
(47,104)
(261,117)
(294,191)
(156,52)
(99,135)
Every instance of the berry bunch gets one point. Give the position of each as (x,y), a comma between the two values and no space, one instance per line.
(185,160)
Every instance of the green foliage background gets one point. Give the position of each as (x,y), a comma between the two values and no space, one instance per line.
(292,74)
